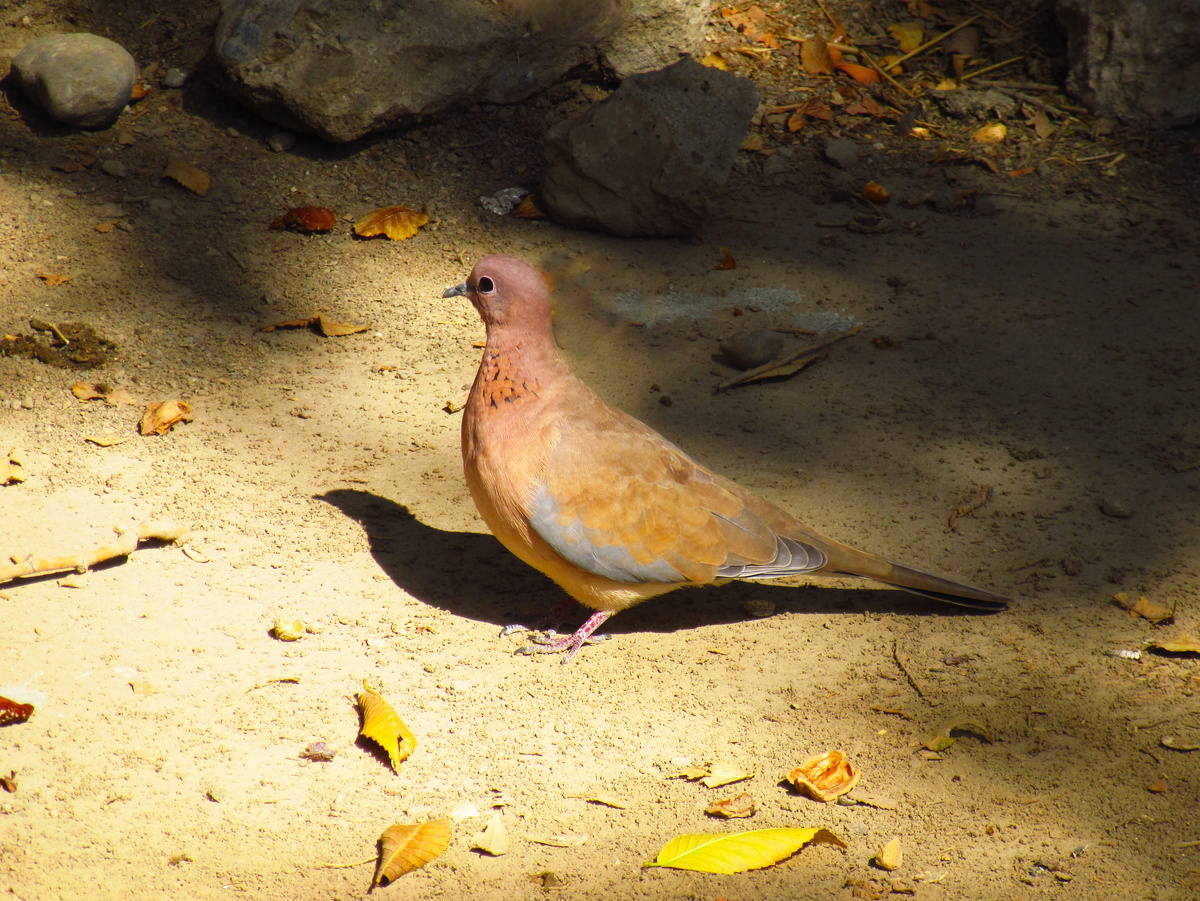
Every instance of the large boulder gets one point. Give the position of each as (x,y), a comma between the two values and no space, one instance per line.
(1139,62)
(344,68)
(649,158)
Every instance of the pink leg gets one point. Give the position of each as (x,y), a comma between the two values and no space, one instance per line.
(548,623)
(570,643)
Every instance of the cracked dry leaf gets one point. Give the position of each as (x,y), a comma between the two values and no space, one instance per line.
(815,58)
(397,222)
(941,738)
(161,417)
(383,726)
(195,180)
(493,839)
(742,805)
(738,851)
(12,712)
(404,848)
(825,777)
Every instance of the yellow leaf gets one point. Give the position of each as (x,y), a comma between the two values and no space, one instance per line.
(158,419)
(493,839)
(724,774)
(715,61)
(405,848)
(383,726)
(910,35)
(739,851)
(397,222)
(331,329)
(189,176)
(992,133)
(941,739)
(1183,644)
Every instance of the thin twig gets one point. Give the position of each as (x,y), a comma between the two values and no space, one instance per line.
(941,37)
(810,350)
(884,73)
(125,545)
(1007,62)
(904,669)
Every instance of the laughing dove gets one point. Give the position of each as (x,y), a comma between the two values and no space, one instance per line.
(604,505)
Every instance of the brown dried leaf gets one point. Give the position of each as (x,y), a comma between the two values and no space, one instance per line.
(106,440)
(105,227)
(85,391)
(9,782)
(964,42)
(814,56)
(195,180)
(825,777)
(397,222)
(69,167)
(383,726)
(910,35)
(753,25)
(159,418)
(404,848)
(12,712)
(52,279)
(1145,608)
(723,774)
(307,219)
(1042,125)
(727,260)
(742,805)
(1158,786)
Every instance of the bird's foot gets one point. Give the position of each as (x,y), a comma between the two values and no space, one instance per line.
(549,622)
(550,643)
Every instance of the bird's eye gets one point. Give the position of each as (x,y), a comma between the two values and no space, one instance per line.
(485,285)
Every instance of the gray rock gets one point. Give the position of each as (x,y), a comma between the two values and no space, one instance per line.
(975,104)
(115,168)
(281,141)
(1139,62)
(175,78)
(748,349)
(842,152)
(650,158)
(343,68)
(80,80)
(1115,507)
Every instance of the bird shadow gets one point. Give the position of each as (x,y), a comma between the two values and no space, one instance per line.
(474,576)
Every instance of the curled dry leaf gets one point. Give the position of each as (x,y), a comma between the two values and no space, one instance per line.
(331,329)
(825,777)
(106,440)
(12,468)
(9,782)
(1182,742)
(742,805)
(739,851)
(317,752)
(727,260)
(942,738)
(561,840)
(494,837)
(397,222)
(12,712)
(307,219)
(404,848)
(52,279)
(383,726)
(861,74)
(890,855)
(161,417)
(195,180)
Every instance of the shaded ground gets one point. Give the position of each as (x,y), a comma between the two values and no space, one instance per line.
(1041,337)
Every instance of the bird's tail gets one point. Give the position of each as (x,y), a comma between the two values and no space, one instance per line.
(928,585)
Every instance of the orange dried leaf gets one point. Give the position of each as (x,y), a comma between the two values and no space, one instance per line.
(331,329)
(529,209)
(1144,608)
(68,167)
(727,260)
(715,61)
(404,848)
(290,323)
(752,24)
(195,180)
(992,133)
(397,222)
(1022,172)
(307,219)
(876,193)
(1158,786)
(825,777)
(161,417)
(863,74)
(53,280)
(814,56)
(12,712)
(1181,644)
(105,227)
(383,726)
(84,391)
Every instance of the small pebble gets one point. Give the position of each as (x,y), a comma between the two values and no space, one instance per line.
(115,168)
(175,78)
(758,608)
(1115,507)
(842,152)
(748,349)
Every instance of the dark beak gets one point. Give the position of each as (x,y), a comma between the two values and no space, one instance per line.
(462,290)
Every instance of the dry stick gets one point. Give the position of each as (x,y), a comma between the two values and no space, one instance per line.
(982,496)
(754,373)
(884,73)
(1007,62)
(990,14)
(904,669)
(125,545)
(937,40)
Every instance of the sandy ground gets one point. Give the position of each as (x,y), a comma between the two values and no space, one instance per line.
(1042,342)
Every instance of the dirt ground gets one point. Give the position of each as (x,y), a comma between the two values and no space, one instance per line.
(1037,334)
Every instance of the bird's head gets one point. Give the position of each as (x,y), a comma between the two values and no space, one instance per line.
(509,293)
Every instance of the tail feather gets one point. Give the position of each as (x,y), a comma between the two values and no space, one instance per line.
(919,582)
